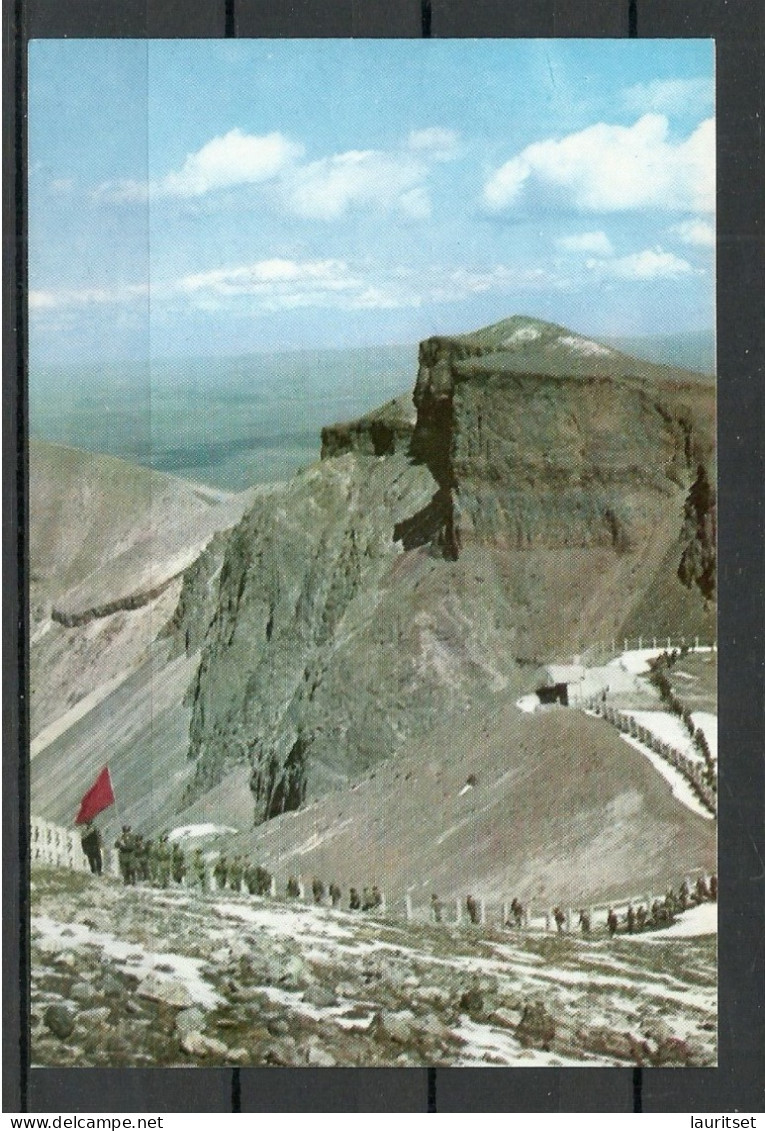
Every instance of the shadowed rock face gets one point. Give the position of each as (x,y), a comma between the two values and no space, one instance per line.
(533,503)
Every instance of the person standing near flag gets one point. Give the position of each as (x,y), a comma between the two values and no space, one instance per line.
(92,846)
(99,797)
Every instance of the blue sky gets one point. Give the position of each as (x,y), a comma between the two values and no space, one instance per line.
(223,197)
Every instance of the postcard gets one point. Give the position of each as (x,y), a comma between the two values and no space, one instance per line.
(373,583)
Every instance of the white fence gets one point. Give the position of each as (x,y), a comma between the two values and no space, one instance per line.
(56,846)
(596,655)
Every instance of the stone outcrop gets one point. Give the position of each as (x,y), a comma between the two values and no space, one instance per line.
(529,506)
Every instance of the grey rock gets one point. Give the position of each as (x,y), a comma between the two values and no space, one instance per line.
(294,974)
(472,1002)
(393,1027)
(60,1021)
(96,1016)
(189,1021)
(81,992)
(278,1027)
(320,996)
(167,991)
(536,1027)
(198,1044)
(317,1057)
(111,986)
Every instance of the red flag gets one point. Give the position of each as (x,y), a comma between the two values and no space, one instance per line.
(99,796)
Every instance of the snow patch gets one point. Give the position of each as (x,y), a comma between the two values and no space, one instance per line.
(528,703)
(701,920)
(523,334)
(584,346)
(131,956)
(680,787)
(667,728)
(194,832)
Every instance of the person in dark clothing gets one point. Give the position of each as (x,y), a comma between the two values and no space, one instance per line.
(125,854)
(612,922)
(235,873)
(317,887)
(516,908)
(177,864)
(585,922)
(335,894)
(293,888)
(264,880)
(220,871)
(92,845)
(560,918)
(472,909)
(354,903)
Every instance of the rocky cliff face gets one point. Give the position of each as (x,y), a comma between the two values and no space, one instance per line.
(525,513)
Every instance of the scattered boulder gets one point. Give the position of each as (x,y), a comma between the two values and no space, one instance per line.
(677,1051)
(320,996)
(170,992)
(505,1018)
(81,992)
(198,1044)
(608,1042)
(536,1027)
(111,986)
(294,974)
(394,1027)
(189,1021)
(472,1003)
(97,1016)
(60,1020)
(318,1057)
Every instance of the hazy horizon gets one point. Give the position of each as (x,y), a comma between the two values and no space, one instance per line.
(177,206)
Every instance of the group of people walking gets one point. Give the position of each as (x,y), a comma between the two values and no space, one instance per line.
(662,912)
(370,899)
(161,863)
(516,916)
(146,860)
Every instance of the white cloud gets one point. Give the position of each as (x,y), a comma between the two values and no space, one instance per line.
(669,96)
(435,141)
(390,181)
(597,243)
(325,189)
(608,168)
(286,284)
(696,233)
(643,266)
(87,296)
(276,284)
(233,159)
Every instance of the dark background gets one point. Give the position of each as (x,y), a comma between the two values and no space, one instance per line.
(739,1081)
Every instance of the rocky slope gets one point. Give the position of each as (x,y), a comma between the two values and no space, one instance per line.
(109,543)
(138,977)
(540,497)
